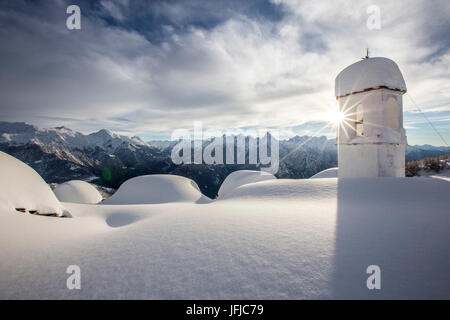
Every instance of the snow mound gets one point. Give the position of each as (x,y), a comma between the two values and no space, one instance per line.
(369,73)
(23,189)
(77,191)
(284,190)
(158,188)
(242,177)
(327,173)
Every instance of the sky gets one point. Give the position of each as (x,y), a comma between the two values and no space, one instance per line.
(147,68)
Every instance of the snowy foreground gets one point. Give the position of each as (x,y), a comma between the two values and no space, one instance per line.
(273,239)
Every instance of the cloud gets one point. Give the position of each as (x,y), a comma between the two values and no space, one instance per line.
(113,10)
(163,65)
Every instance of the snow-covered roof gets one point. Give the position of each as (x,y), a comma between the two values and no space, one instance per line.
(327,173)
(157,188)
(77,191)
(367,74)
(24,190)
(242,177)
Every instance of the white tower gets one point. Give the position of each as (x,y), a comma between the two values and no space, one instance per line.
(371,139)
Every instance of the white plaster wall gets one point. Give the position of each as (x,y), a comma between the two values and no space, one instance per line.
(374,103)
(357,161)
(392,160)
(371,160)
(369,157)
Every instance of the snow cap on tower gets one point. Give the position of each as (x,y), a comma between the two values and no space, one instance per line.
(369,74)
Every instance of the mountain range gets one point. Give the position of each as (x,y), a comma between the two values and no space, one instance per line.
(108,159)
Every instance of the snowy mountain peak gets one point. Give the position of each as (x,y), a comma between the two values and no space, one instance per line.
(16,127)
(103,133)
(102,136)
(62,129)
(19,133)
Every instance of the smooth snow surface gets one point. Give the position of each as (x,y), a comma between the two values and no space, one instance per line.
(241,177)
(327,173)
(158,188)
(275,239)
(77,191)
(23,188)
(369,74)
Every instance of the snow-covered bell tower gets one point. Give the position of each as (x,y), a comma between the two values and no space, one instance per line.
(371,139)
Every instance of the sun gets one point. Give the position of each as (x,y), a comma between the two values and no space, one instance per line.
(335,116)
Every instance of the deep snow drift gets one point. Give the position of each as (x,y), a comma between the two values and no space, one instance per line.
(23,188)
(242,177)
(327,173)
(274,239)
(157,188)
(77,191)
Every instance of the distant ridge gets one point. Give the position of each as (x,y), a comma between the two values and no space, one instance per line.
(60,154)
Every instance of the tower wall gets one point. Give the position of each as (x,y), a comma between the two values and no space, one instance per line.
(371,160)
(375,147)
